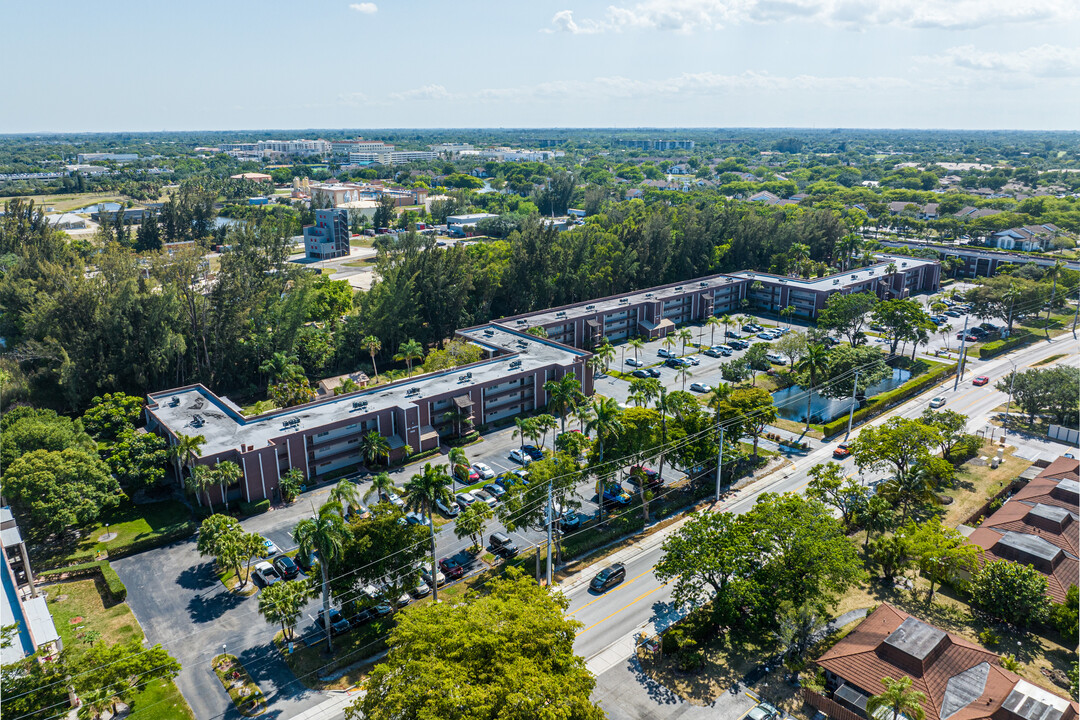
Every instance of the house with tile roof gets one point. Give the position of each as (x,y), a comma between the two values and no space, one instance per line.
(1039,526)
(959,679)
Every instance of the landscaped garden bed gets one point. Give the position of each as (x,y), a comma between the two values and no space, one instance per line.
(243,691)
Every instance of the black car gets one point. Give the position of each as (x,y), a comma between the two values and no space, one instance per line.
(286,567)
(502,545)
(608,577)
(338,623)
(641,373)
(653,372)
(307,561)
(533,452)
(364,615)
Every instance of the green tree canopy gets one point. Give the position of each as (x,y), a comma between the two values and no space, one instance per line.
(1011,592)
(58,490)
(847,314)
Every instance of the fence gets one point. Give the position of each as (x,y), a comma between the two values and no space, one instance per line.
(829,707)
(1064,434)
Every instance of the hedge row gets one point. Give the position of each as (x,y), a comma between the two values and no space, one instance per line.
(102,568)
(254,508)
(880,403)
(996,347)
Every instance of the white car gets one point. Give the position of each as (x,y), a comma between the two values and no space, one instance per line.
(700,387)
(665,353)
(271,548)
(465,499)
(776,359)
(692,359)
(634,362)
(483,471)
(266,574)
(520,456)
(393,498)
(449,509)
(937,402)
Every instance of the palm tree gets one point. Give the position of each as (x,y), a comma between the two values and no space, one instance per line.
(583,414)
(373,345)
(344,495)
(891,268)
(523,428)
(1010,296)
(945,329)
(606,351)
(1053,272)
(670,341)
(596,364)
(563,395)
(185,451)
(325,534)
(686,336)
(374,446)
(683,373)
(459,464)
(922,337)
(605,422)
(460,417)
(381,484)
(726,320)
(227,472)
(424,489)
(201,479)
(898,698)
(713,322)
(545,423)
(408,351)
(637,344)
(282,368)
(801,253)
(813,363)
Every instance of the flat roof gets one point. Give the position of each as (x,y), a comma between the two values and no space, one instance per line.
(1031,545)
(226,429)
(915,638)
(588,308)
(854,277)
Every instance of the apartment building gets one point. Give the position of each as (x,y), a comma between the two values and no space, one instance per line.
(391,157)
(106,157)
(20,601)
(277,148)
(329,236)
(340,148)
(322,436)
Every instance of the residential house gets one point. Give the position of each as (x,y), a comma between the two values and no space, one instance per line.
(1027,238)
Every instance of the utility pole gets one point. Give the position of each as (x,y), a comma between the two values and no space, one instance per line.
(719,462)
(854,402)
(963,349)
(551,519)
(1076,316)
(1012,376)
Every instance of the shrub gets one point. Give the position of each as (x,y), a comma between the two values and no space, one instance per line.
(672,640)
(883,401)
(965,449)
(254,508)
(996,347)
(690,660)
(989,637)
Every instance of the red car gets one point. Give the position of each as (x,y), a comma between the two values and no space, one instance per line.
(841,451)
(980,381)
(451,568)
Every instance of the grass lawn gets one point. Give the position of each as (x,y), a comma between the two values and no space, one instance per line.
(242,690)
(231,581)
(363,241)
(798,428)
(70,201)
(364,262)
(309,662)
(976,483)
(78,609)
(132,524)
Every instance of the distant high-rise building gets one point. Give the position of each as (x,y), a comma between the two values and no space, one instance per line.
(329,236)
(657,144)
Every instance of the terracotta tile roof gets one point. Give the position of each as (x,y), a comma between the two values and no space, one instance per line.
(1046,491)
(1062,572)
(961,680)
(1062,469)
(1056,525)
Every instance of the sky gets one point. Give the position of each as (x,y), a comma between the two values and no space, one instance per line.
(114,65)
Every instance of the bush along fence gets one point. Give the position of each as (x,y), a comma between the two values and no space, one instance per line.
(884,401)
(996,347)
(101,569)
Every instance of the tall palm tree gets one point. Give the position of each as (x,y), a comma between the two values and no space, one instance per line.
(686,336)
(459,464)
(344,495)
(726,321)
(670,341)
(898,698)
(186,449)
(325,534)
(713,322)
(801,253)
(922,337)
(563,395)
(227,472)
(583,414)
(282,367)
(374,446)
(373,345)
(545,423)
(523,428)
(1010,296)
(423,490)
(381,484)
(1053,272)
(606,423)
(596,364)
(945,329)
(606,351)
(409,351)
(637,344)
(201,479)
(815,362)
(683,373)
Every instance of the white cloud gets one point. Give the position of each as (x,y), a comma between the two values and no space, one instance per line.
(427,92)
(689,15)
(1044,61)
(366,8)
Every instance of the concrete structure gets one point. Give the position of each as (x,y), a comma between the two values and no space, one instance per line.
(67,221)
(392,157)
(1039,526)
(452,148)
(329,236)
(459,225)
(342,194)
(20,601)
(959,679)
(325,435)
(277,148)
(656,144)
(106,156)
(342,148)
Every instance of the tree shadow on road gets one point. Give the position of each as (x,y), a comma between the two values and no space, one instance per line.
(656,691)
(198,577)
(273,676)
(210,606)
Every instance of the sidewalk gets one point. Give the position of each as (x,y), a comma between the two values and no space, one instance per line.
(332,707)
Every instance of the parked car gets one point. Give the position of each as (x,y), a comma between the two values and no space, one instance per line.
(664,353)
(763,711)
(714,352)
(495,490)
(570,520)
(700,387)
(415,518)
(391,497)
(483,471)
(980,381)
(614,494)
(952,313)
(467,475)
(371,612)
(937,402)
(522,475)
(652,478)
(634,362)
(451,568)
(841,451)
(765,336)
(502,545)
(776,359)
(271,548)
(465,499)
(487,498)
(733,335)
(752,328)
(609,577)
(653,372)
(533,452)
(286,567)
(450,510)
(425,575)
(338,623)
(641,373)
(692,359)
(421,589)
(307,561)
(675,363)
(520,456)
(265,573)
(739,344)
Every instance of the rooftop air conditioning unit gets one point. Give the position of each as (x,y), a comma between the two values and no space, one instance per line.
(522,322)
(903,264)
(835,282)
(854,276)
(624,301)
(703,284)
(590,307)
(679,289)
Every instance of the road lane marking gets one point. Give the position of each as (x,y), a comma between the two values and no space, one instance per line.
(625,583)
(624,607)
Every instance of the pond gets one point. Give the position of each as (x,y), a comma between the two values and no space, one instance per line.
(791,402)
(220,222)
